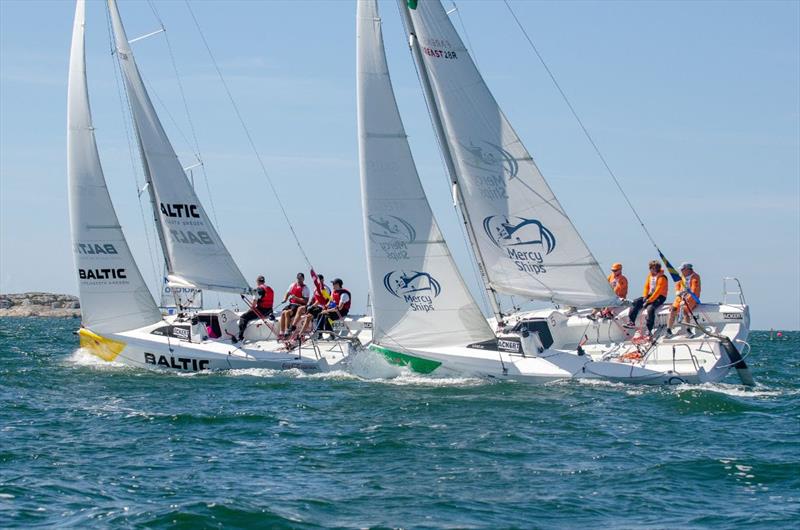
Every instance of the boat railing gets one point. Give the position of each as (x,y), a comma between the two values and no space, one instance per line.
(726,293)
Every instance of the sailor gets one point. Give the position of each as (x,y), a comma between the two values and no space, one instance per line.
(338,307)
(686,298)
(297,295)
(319,301)
(619,284)
(260,307)
(655,292)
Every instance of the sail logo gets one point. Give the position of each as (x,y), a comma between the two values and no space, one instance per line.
(417,289)
(179,210)
(515,235)
(95,248)
(102,274)
(495,166)
(393,234)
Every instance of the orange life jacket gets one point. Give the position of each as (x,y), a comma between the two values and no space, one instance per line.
(619,284)
(655,286)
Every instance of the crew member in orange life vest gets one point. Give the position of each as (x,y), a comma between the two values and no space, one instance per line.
(338,307)
(619,284)
(297,295)
(684,300)
(654,294)
(264,297)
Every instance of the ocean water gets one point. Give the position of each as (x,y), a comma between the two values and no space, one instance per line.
(85,443)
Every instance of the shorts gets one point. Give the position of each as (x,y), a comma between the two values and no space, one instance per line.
(314,310)
(689,302)
(291,308)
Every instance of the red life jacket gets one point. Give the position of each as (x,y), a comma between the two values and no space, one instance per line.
(267,299)
(337,295)
(296,294)
(321,299)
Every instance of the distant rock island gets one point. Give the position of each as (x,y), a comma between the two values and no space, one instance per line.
(39,305)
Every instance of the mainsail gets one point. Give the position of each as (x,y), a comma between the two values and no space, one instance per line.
(195,254)
(418,296)
(113,294)
(526,243)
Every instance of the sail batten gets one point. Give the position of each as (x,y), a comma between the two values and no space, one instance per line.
(419,299)
(113,293)
(192,247)
(525,241)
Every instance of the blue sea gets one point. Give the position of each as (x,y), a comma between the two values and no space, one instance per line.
(84,443)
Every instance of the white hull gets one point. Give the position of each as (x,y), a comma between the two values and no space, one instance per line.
(171,346)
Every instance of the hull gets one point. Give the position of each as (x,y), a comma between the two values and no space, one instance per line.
(668,362)
(140,348)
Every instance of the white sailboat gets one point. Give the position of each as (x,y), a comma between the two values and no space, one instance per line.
(523,241)
(120,319)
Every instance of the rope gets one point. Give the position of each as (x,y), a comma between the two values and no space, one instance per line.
(249,136)
(582,126)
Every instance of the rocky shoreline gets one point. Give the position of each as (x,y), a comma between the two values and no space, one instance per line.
(39,305)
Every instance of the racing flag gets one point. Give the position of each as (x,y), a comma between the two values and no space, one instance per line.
(676,276)
(412,4)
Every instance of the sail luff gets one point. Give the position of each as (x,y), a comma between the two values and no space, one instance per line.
(114,296)
(195,253)
(529,245)
(419,299)
(447,154)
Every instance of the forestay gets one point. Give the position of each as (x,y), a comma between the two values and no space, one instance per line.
(113,294)
(527,242)
(195,254)
(419,298)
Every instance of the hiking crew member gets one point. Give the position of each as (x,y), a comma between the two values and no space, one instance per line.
(261,305)
(617,281)
(655,292)
(683,296)
(319,301)
(337,308)
(619,284)
(297,295)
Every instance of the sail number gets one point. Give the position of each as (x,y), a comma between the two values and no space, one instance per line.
(433,52)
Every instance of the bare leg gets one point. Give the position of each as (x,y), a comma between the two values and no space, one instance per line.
(672,314)
(298,315)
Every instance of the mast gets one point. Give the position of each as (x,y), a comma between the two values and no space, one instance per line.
(436,119)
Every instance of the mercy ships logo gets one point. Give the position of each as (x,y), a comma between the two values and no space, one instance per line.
(393,234)
(417,289)
(515,235)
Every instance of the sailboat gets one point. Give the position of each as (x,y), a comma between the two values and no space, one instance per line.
(523,241)
(120,319)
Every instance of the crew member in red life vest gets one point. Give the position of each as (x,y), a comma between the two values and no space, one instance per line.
(261,305)
(338,307)
(654,294)
(297,295)
(319,301)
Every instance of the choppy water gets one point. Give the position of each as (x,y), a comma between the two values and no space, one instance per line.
(83,443)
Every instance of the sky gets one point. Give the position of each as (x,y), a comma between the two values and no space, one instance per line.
(695,105)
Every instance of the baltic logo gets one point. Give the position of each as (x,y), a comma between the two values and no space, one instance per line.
(184,215)
(495,166)
(393,234)
(515,235)
(417,289)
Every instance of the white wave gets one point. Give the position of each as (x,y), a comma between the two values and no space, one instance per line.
(83,357)
(738,390)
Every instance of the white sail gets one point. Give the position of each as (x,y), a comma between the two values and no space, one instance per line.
(195,254)
(418,296)
(113,294)
(526,241)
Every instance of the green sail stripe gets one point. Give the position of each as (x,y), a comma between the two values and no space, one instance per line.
(418,364)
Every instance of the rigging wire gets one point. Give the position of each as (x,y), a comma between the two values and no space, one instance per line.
(249,136)
(122,94)
(580,123)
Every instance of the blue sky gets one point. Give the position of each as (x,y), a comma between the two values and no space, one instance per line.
(696,106)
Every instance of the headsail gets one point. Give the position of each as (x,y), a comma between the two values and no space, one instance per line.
(418,296)
(195,254)
(525,240)
(113,294)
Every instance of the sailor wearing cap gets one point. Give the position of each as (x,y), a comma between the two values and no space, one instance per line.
(687,295)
